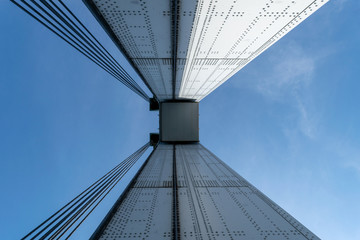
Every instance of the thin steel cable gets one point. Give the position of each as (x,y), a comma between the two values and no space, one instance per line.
(77,210)
(84,37)
(114,176)
(90,188)
(89,203)
(67,30)
(84,209)
(91,193)
(87,49)
(93,37)
(81,203)
(72,44)
(89,53)
(108,191)
(74,208)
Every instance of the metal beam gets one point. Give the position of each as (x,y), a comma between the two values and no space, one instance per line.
(175,202)
(174,33)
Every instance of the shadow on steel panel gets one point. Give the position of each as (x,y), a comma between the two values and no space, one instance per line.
(213,202)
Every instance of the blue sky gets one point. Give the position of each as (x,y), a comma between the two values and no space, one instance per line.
(288,122)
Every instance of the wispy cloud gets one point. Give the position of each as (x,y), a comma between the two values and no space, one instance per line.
(287,79)
(308,121)
(292,70)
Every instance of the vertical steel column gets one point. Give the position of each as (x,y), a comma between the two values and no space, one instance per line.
(174,7)
(175,202)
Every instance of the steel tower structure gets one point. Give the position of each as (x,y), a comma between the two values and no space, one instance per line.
(183,50)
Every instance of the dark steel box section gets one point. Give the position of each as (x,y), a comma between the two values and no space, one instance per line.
(179,122)
(154,139)
(154,104)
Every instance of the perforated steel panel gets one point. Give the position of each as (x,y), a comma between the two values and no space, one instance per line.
(227,35)
(214,202)
(146,211)
(215,39)
(143,29)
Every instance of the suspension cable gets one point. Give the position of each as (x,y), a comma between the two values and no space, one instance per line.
(87,30)
(59,19)
(79,208)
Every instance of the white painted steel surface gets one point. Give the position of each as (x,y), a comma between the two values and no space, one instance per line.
(227,35)
(216,38)
(214,202)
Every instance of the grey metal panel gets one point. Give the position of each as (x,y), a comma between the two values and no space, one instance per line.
(145,213)
(216,203)
(158,171)
(143,29)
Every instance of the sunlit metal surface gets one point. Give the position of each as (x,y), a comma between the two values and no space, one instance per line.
(227,35)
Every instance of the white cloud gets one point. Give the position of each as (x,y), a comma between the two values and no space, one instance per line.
(307,122)
(288,81)
(292,70)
